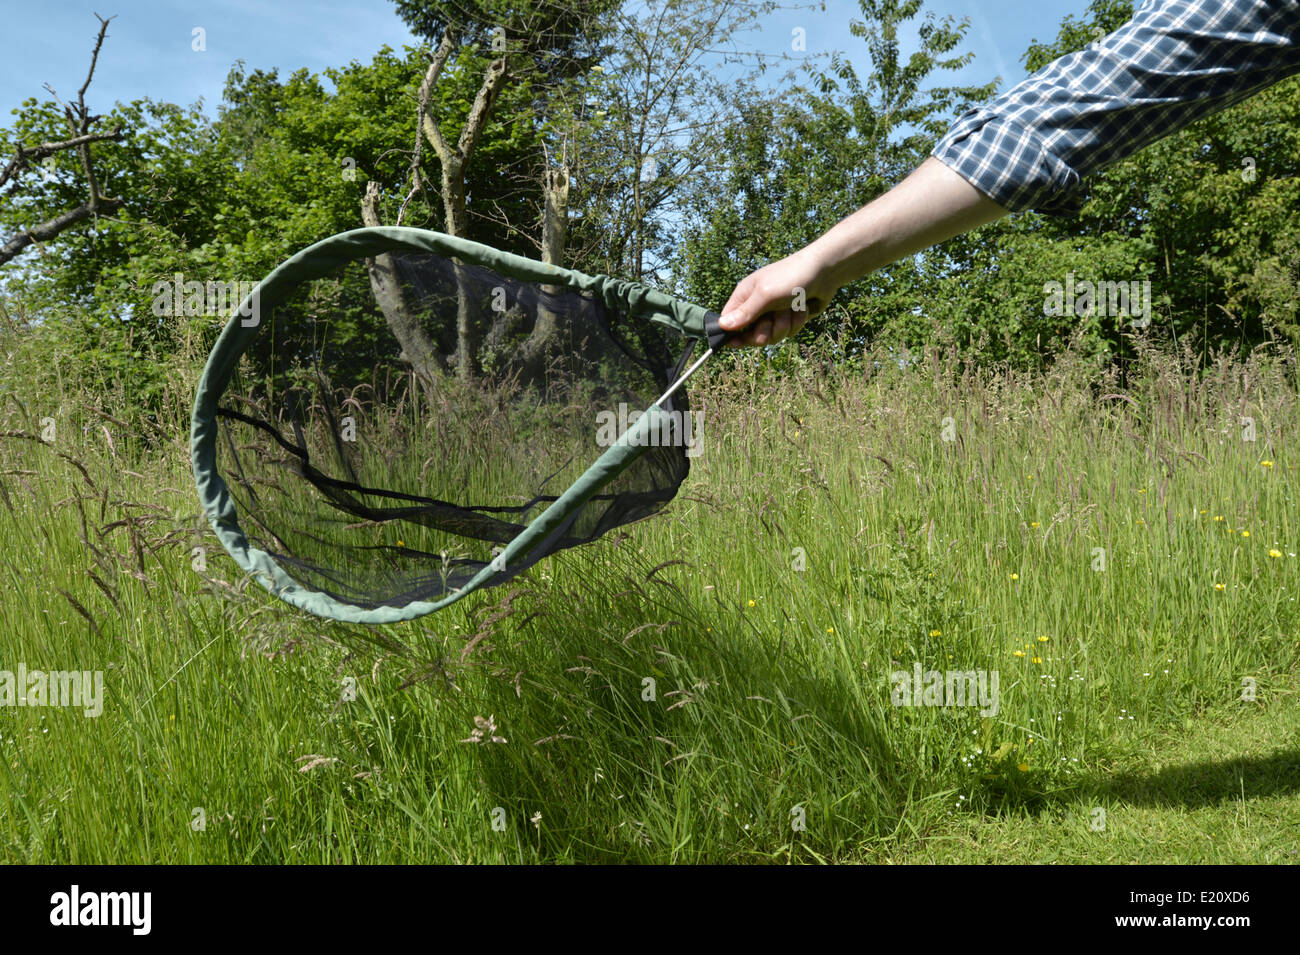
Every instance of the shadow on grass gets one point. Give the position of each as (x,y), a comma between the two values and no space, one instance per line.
(1196,785)
(1206,783)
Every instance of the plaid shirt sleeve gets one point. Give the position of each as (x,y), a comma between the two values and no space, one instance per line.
(1175,62)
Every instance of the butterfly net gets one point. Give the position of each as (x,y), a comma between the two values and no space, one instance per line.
(397,422)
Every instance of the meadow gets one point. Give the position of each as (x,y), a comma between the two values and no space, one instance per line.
(715,684)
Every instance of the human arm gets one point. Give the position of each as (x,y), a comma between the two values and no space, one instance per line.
(1173,63)
(929,206)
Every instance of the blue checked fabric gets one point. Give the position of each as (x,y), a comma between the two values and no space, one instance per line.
(1175,62)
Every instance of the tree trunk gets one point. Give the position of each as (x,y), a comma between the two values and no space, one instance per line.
(548,331)
(418,349)
(453,201)
(453,160)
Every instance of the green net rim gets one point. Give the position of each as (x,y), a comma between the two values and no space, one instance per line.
(319,260)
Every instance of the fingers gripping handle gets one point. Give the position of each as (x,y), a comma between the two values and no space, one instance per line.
(715,333)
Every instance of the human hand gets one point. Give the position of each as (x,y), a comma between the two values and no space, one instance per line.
(774,302)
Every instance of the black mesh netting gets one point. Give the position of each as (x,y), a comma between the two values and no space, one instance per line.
(394,423)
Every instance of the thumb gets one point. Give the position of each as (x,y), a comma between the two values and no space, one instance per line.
(741,309)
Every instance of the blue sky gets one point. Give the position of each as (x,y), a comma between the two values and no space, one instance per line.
(149,52)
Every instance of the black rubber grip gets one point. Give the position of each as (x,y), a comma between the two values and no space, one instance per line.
(716,334)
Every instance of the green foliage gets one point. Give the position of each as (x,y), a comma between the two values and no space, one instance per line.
(1209,216)
(801,160)
(1000,307)
(284,165)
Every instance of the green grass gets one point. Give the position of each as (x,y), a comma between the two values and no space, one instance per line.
(1216,790)
(714,684)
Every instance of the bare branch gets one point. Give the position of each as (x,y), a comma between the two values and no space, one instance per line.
(48,230)
(79,122)
(418,349)
(27,154)
(94,58)
(426,122)
(493,80)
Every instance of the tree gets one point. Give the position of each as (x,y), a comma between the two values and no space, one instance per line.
(1209,214)
(537,48)
(80,136)
(801,159)
(282,166)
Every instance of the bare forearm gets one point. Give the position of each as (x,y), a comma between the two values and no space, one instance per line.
(929,206)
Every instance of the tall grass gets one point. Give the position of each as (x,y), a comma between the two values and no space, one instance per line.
(711,685)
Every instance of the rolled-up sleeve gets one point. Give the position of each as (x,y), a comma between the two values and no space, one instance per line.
(1175,62)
